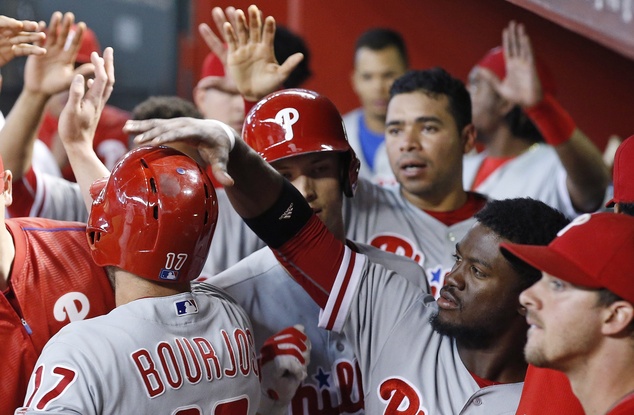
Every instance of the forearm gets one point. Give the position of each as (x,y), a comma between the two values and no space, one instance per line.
(87,167)
(587,175)
(17,137)
(257,185)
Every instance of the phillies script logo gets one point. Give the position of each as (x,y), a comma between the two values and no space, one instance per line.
(71,306)
(398,245)
(401,398)
(286,118)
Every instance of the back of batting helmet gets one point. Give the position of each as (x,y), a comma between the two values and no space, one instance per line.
(154,216)
(297,121)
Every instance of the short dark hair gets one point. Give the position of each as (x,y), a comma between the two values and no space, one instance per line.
(522,221)
(286,43)
(437,81)
(626,208)
(380,38)
(165,107)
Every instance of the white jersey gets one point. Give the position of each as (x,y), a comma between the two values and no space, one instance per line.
(382,172)
(382,217)
(183,354)
(537,173)
(406,366)
(274,301)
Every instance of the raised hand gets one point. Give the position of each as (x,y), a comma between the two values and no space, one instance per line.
(213,139)
(53,72)
(79,118)
(283,363)
(250,55)
(19,38)
(521,85)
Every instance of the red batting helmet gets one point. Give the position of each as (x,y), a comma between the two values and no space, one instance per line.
(154,216)
(297,121)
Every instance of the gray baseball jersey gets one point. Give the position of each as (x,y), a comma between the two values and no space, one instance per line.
(537,173)
(406,367)
(187,354)
(382,217)
(274,301)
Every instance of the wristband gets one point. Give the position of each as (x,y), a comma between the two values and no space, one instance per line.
(551,119)
(229,131)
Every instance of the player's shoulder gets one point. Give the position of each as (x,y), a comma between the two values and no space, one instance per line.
(209,289)
(247,270)
(401,265)
(34,224)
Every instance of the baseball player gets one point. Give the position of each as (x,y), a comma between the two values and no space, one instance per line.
(469,359)
(429,211)
(162,349)
(47,276)
(581,311)
(549,390)
(168,195)
(533,147)
(316,157)
(380,56)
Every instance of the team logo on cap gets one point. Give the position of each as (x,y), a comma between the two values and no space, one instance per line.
(185,308)
(286,118)
(579,220)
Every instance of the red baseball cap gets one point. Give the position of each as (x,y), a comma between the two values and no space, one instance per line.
(623,173)
(89,44)
(494,61)
(593,251)
(212,66)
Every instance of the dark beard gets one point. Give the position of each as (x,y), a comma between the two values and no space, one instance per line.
(469,337)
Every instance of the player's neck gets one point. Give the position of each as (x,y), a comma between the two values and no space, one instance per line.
(603,380)
(503,360)
(128,287)
(440,201)
(374,123)
(501,143)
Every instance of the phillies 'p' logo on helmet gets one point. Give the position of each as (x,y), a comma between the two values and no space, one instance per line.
(297,121)
(154,216)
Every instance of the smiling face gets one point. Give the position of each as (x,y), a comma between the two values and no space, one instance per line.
(565,323)
(318,178)
(424,145)
(480,298)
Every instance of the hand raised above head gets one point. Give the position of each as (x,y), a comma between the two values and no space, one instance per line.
(250,56)
(19,38)
(213,139)
(522,85)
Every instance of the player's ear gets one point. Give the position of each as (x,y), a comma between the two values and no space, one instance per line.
(468,137)
(7,187)
(616,318)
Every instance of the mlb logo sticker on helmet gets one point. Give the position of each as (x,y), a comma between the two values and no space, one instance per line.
(168,274)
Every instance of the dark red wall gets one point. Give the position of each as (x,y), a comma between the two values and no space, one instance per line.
(594,83)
